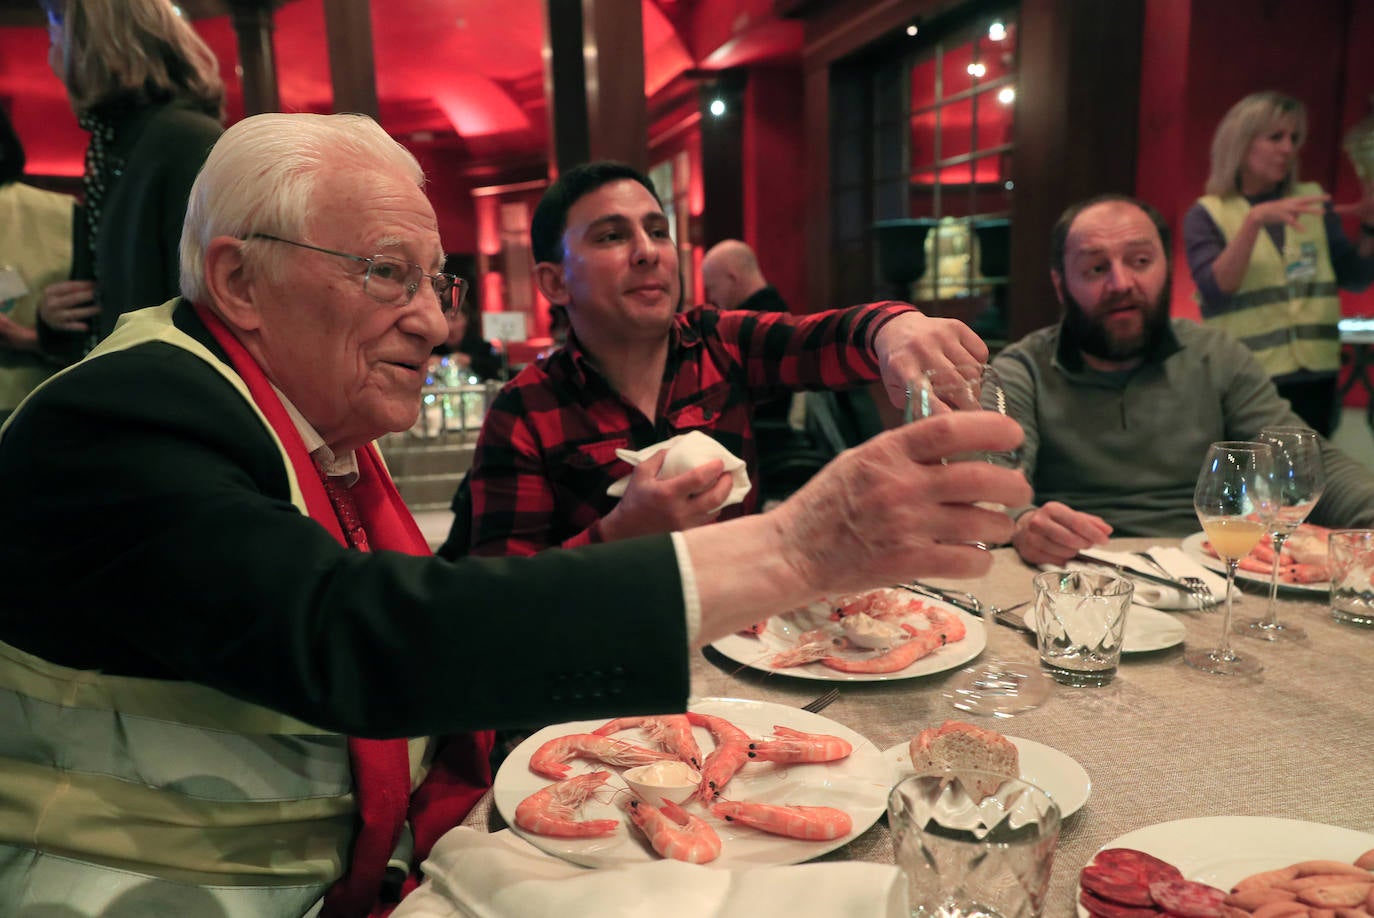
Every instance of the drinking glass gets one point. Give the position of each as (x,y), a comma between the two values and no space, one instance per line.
(1298,484)
(1235,504)
(973,844)
(995,687)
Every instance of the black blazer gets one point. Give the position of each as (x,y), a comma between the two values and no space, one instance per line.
(148,531)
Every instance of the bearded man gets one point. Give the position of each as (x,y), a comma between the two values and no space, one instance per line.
(1119,402)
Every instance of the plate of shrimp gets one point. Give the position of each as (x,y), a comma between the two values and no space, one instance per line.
(1302,566)
(778,785)
(876,635)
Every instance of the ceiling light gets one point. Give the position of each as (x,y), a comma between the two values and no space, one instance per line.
(912,30)
(997,31)
(717,107)
(1006,95)
(976,69)
(1009,184)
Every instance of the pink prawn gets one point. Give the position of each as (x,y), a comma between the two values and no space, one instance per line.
(730,755)
(813,823)
(550,811)
(795,746)
(550,759)
(675,833)
(672,731)
(945,628)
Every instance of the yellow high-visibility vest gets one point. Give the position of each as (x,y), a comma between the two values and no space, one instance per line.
(1290,322)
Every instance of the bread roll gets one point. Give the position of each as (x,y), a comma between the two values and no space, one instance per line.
(959,747)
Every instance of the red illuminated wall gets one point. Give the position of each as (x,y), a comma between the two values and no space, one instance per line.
(774,193)
(1201,56)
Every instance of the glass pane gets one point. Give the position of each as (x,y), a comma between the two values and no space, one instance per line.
(955,70)
(956,129)
(996,107)
(923,84)
(1000,56)
(923,153)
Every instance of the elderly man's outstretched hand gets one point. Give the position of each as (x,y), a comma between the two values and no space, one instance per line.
(888,511)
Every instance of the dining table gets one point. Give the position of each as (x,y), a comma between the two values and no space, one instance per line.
(1161,742)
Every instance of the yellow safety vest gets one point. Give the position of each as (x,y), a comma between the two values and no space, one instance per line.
(1290,323)
(149,796)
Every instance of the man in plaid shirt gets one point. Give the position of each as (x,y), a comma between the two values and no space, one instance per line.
(636,371)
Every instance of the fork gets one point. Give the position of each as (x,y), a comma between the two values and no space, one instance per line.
(821,702)
(1196,585)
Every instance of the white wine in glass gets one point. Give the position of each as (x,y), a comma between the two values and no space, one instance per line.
(1298,485)
(999,688)
(1235,504)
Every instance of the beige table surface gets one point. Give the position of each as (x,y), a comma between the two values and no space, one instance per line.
(1162,742)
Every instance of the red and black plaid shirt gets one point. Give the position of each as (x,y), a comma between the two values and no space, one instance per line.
(546,454)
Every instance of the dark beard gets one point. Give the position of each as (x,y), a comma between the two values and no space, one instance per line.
(1090,335)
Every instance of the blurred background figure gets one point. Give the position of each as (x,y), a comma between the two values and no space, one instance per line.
(35,250)
(732,279)
(1268,254)
(466,348)
(148,90)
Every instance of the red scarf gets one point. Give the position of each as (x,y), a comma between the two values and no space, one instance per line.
(461,772)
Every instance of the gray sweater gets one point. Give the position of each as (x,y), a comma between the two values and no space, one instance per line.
(1128,446)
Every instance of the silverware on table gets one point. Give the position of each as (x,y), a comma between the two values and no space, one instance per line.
(1013,621)
(1191,585)
(821,702)
(1196,585)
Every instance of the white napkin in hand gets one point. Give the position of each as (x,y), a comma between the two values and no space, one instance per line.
(472,873)
(686,452)
(1157,595)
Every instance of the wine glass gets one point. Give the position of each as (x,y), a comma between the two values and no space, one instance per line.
(1298,484)
(999,688)
(1234,502)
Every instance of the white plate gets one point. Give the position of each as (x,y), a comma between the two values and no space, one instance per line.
(1222,850)
(857,784)
(1047,768)
(1146,629)
(782,631)
(1192,546)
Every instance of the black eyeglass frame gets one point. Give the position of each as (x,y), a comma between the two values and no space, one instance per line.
(456,284)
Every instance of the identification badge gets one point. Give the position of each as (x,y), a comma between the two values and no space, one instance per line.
(1301,262)
(12,287)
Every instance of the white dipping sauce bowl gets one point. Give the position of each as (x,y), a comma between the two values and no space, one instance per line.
(659,781)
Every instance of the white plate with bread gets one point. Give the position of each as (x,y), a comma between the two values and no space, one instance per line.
(956,745)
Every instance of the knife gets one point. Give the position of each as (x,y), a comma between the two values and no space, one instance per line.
(1125,571)
(974,608)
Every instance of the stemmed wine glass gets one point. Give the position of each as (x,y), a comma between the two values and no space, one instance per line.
(996,687)
(1298,484)
(1235,504)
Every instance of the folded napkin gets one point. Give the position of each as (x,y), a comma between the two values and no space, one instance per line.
(686,452)
(472,873)
(1157,595)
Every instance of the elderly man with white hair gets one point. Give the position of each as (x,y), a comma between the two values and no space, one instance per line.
(221,624)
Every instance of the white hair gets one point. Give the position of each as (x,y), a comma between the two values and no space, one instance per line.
(261,175)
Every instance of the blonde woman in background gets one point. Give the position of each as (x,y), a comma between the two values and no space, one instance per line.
(1267,252)
(148,90)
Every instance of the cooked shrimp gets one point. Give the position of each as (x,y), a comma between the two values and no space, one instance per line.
(730,755)
(675,833)
(883,603)
(795,746)
(809,652)
(672,731)
(550,759)
(814,823)
(550,811)
(922,643)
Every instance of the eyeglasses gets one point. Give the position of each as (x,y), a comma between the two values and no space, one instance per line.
(394,280)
